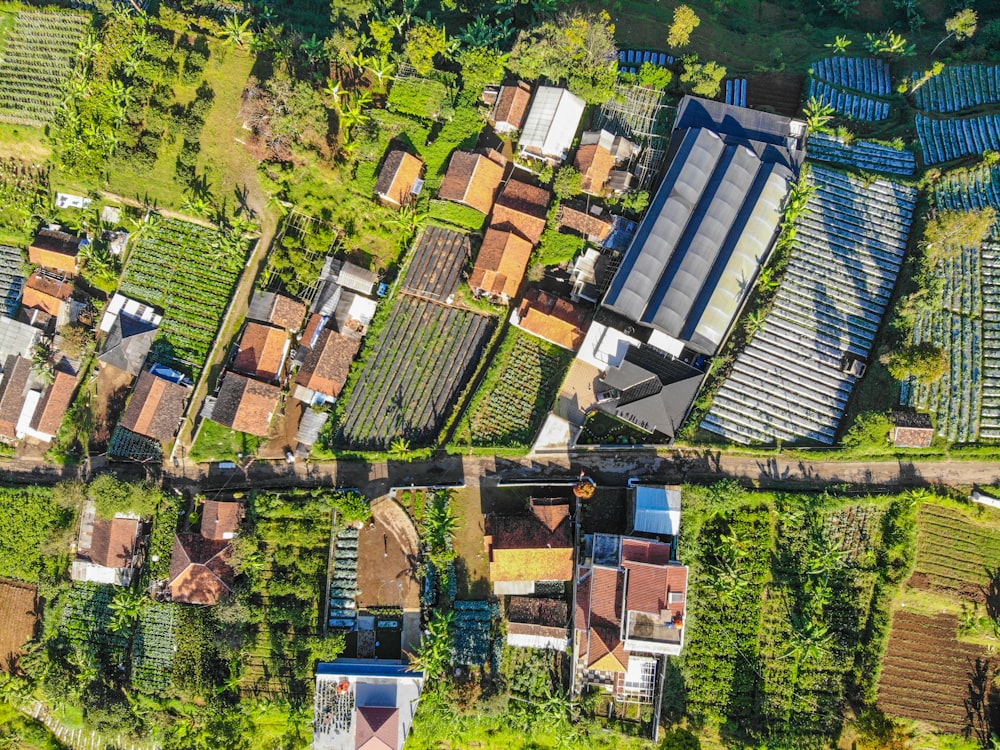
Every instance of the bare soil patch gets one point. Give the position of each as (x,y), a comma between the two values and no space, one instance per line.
(388,551)
(777,92)
(112,390)
(19,607)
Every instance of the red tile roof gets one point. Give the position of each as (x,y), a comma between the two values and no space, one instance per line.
(584,222)
(522,208)
(551,512)
(607,588)
(262,351)
(287,312)
(397,178)
(376,728)
(199,570)
(246,405)
(328,363)
(501,263)
(582,619)
(156,407)
(13,387)
(512,106)
(522,548)
(595,163)
(55,403)
(644,551)
(472,179)
(55,249)
(553,319)
(113,542)
(46,293)
(219,521)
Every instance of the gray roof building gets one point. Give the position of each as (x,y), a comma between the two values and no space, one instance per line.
(711,224)
(128,343)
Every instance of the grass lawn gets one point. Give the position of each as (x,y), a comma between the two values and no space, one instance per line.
(23,142)
(216,442)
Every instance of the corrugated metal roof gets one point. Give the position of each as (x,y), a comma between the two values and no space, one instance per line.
(657,510)
(552,121)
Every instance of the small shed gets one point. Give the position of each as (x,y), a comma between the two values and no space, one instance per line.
(656,509)
(912,429)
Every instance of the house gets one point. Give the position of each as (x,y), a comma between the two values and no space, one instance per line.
(534,622)
(500,265)
(521,208)
(122,305)
(473,179)
(243,404)
(127,343)
(711,224)
(324,372)
(335,279)
(220,521)
(56,250)
(912,429)
(511,106)
(598,155)
(53,405)
(593,226)
(262,352)
(630,611)
(399,181)
(46,292)
(655,509)
(106,549)
(276,309)
(199,570)
(362,704)
(529,549)
(156,407)
(14,388)
(551,318)
(551,124)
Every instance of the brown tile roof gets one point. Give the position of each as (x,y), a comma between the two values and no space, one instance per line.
(311,329)
(46,293)
(606,652)
(551,512)
(376,728)
(553,319)
(538,611)
(595,163)
(199,570)
(501,263)
(522,208)
(649,588)
(156,407)
(246,405)
(16,373)
(54,404)
(582,619)
(512,106)
(644,551)
(54,249)
(262,351)
(113,542)
(584,222)
(287,313)
(328,363)
(399,173)
(472,179)
(521,548)
(220,519)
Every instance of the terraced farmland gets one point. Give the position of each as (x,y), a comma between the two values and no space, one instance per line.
(870,156)
(928,675)
(947,140)
(36,63)
(794,379)
(958,87)
(424,356)
(954,551)
(849,85)
(186,271)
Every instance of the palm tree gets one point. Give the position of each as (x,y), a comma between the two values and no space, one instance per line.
(335,91)
(839,45)
(313,49)
(127,607)
(381,68)
(237,33)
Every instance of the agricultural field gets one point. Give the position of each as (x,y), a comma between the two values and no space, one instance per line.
(424,356)
(516,393)
(956,553)
(781,635)
(24,195)
(189,272)
(20,614)
(36,60)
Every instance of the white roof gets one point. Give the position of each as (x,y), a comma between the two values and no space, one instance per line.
(120,303)
(657,509)
(552,122)
(605,347)
(362,310)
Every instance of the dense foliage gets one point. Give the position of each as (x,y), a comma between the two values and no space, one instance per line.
(32,523)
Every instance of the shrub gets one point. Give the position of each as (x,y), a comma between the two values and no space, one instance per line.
(555,247)
(420,97)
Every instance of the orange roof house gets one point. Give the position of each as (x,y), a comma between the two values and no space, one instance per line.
(55,249)
(262,351)
(551,318)
(912,429)
(472,180)
(276,309)
(526,549)
(199,570)
(106,551)
(46,293)
(220,520)
(521,208)
(399,179)
(599,153)
(156,407)
(244,404)
(511,107)
(54,405)
(325,369)
(501,264)
(596,228)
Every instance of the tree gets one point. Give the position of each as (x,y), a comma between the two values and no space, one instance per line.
(677,738)
(654,77)
(961,26)
(818,115)
(839,45)
(889,44)
(705,78)
(127,607)
(576,47)
(237,33)
(935,70)
(870,430)
(927,362)
(481,67)
(425,42)
(948,232)
(843,8)
(685,21)
(568,183)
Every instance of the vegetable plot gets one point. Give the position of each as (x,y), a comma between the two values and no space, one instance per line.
(946,140)
(517,392)
(958,87)
(423,357)
(36,63)
(189,272)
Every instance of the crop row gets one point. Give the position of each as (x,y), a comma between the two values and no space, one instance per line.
(946,140)
(423,357)
(959,87)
